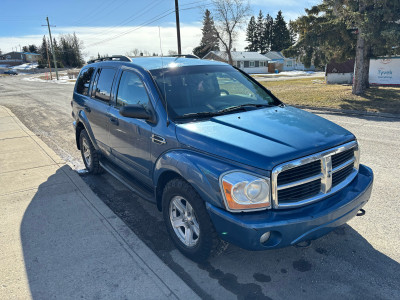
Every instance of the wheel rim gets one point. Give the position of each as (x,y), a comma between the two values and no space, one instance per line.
(86,152)
(184,221)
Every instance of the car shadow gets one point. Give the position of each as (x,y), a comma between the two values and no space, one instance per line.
(341,264)
(66,248)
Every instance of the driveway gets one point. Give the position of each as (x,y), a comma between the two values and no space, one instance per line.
(358,260)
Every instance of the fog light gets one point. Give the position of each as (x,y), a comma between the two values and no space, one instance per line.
(264,238)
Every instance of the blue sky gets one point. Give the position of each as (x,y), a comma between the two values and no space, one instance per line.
(118,26)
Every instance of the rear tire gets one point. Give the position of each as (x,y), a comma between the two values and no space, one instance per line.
(89,154)
(185,214)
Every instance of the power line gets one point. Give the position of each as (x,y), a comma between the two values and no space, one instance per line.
(158,17)
(136,16)
(127,20)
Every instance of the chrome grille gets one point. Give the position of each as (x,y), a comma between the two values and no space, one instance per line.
(305,171)
(300,192)
(342,174)
(314,177)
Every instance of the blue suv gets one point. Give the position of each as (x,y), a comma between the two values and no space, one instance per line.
(218,153)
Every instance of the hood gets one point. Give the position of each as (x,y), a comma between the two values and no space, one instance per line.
(263,138)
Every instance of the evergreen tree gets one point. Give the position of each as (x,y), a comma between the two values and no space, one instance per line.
(209,41)
(280,34)
(32,49)
(58,54)
(260,34)
(292,33)
(43,62)
(268,25)
(25,49)
(251,33)
(344,29)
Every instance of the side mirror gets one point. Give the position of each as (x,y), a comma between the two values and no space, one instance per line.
(136,111)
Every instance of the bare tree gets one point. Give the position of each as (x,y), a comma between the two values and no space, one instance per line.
(172,52)
(230,15)
(138,52)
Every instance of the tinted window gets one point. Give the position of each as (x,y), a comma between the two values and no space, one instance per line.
(131,90)
(82,83)
(104,83)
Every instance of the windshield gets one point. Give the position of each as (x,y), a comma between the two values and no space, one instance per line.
(208,90)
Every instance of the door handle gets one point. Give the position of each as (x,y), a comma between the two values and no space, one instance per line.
(114,121)
(87,108)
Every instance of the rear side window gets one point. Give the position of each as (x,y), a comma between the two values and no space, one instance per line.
(83,82)
(104,83)
(131,90)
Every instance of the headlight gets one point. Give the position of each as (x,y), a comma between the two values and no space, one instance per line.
(243,191)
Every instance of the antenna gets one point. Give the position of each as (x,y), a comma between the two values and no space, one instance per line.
(162,64)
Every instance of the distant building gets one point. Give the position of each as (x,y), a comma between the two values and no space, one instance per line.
(277,61)
(249,62)
(17,58)
(339,73)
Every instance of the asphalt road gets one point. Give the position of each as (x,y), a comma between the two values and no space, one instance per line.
(358,260)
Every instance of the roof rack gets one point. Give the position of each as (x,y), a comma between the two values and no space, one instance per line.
(185,56)
(114,57)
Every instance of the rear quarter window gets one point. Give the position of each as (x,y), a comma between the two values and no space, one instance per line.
(83,81)
(104,83)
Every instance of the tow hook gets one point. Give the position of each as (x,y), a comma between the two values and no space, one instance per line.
(303,244)
(360,213)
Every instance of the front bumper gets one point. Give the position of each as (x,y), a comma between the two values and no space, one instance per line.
(291,226)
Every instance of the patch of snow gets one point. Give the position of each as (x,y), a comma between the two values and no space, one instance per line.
(287,73)
(63,80)
(28,66)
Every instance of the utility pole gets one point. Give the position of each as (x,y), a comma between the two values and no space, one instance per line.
(178,30)
(52,47)
(48,58)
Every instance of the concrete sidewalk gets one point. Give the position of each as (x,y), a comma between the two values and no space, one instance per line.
(59,240)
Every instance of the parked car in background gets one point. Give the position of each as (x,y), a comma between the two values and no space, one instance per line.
(11,72)
(217,152)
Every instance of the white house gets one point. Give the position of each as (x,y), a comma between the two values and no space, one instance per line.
(250,62)
(283,63)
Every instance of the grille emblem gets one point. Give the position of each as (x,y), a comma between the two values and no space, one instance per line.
(326,181)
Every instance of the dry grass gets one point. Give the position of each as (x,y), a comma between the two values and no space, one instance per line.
(315,92)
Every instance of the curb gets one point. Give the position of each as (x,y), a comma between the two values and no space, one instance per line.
(169,282)
(348,112)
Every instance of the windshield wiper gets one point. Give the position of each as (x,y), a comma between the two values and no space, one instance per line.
(204,114)
(242,107)
(208,114)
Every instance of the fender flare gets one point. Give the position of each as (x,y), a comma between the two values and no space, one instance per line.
(82,118)
(201,171)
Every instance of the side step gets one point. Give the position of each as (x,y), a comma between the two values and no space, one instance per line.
(127,180)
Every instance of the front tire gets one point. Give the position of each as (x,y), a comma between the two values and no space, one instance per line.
(188,222)
(89,154)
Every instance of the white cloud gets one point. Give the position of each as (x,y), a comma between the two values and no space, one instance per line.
(99,39)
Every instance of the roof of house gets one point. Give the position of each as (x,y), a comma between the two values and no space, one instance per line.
(26,53)
(238,55)
(274,55)
(30,53)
